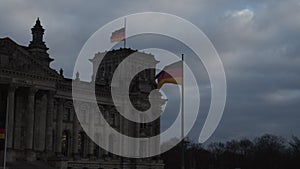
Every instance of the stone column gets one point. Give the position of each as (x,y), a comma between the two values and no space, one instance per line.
(10,113)
(30,118)
(59,125)
(30,155)
(49,122)
(40,121)
(91,123)
(20,109)
(75,136)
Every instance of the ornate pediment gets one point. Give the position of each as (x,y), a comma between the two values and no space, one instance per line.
(18,60)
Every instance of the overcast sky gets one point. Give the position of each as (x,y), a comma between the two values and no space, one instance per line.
(258,42)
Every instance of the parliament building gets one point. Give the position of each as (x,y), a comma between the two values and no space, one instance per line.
(43,130)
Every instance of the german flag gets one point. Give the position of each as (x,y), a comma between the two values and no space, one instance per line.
(170,74)
(117,35)
(2,133)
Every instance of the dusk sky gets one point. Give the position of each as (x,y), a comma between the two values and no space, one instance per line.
(258,42)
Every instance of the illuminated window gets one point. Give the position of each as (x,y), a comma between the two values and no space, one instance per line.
(65,143)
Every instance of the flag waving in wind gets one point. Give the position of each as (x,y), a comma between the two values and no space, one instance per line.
(170,74)
(118,35)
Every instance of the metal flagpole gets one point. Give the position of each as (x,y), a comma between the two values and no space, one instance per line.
(122,158)
(124,32)
(182,115)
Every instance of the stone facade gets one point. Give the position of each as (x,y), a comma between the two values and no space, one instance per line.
(42,124)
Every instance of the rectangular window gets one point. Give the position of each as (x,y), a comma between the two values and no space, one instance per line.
(67,114)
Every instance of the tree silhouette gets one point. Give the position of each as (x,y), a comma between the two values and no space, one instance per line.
(265,152)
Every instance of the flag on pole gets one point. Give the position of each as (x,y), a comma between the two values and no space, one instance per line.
(118,35)
(2,133)
(170,74)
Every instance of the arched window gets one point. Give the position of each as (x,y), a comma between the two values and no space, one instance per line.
(65,143)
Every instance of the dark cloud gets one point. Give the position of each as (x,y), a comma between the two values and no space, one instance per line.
(258,42)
